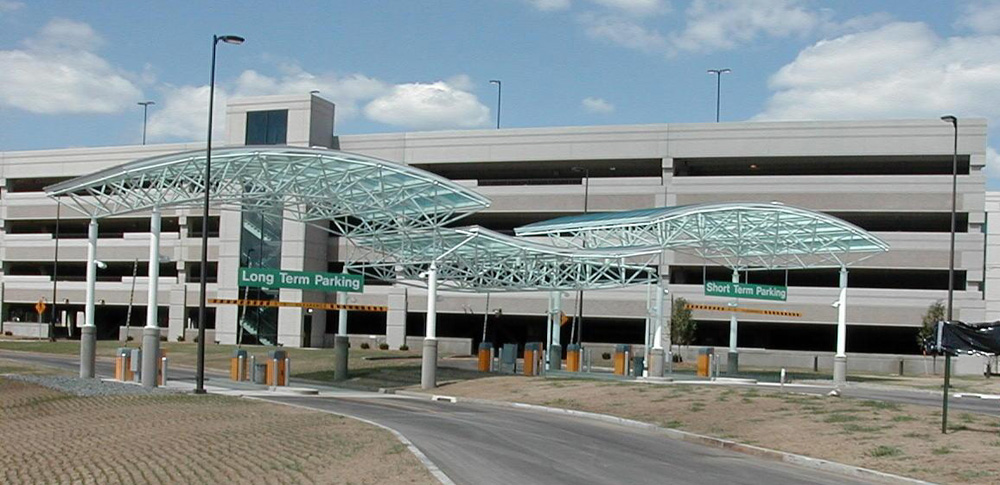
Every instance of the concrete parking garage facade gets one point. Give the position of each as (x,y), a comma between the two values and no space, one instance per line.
(891,177)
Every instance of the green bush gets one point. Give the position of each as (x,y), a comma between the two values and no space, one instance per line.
(365,346)
(383,346)
(404,347)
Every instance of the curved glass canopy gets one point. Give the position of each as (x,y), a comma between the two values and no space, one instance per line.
(358,194)
(737,235)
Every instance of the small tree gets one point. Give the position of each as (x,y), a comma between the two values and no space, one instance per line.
(935,313)
(682,327)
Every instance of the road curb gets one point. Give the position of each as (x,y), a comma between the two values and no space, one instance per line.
(757,451)
(426,462)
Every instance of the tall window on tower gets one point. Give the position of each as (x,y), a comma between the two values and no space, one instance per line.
(267,127)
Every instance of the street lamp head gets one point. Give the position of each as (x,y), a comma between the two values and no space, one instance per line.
(720,71)
(950,119)
(146,103)
(495,81)
(230,39)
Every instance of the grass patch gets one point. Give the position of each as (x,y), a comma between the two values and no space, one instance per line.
(902,418)
(880,405)
(696,407)
(943,450)
(883,451)
(858,428)
(840,418)
(673,424)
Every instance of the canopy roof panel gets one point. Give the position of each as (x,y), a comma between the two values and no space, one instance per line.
(474,258)
(359,194)
(741,236)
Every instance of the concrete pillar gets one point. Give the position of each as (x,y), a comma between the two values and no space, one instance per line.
(341,342)
(428,369)
(88,332)
(840,360)
(151,334)
(395,318)
(555,343)
(733,362)
(656,356)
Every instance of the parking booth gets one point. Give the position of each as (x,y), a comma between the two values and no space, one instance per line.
(485,356)
(620,359)
(532,358)
(276,368)
(238,365)
(573,357)
(704,360)
(123,364)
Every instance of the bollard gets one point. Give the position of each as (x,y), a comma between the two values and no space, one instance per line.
(620,359)
(237,365)
(253,370)
(274,373)
(782,378)
(485,356)
(163,371)
(288,370)
(573,358)
(122,364)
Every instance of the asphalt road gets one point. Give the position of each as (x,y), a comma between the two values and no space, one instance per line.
(495,445)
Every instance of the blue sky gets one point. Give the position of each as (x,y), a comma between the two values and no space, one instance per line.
(72,72)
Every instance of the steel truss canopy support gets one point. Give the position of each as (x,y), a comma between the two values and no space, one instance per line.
(739,236)
(476,259)
(350,193)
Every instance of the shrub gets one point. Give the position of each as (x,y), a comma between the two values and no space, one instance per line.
(8,333)
(383,346)
(365,346)
(163,338)
(606,356)
(404,347)
(129,338)
(180,338)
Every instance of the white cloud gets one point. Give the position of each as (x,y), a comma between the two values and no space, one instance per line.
(714,25)
(597,105)
(992,164)
(182,113)
(428,106)
(549,5)
(10,6)
(636,7)
(626,32)
(898,70)
(58,71)
(981,17)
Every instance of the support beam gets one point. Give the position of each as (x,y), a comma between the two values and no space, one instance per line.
(555,324)
(151,334)
(428,370)
(733,363)
(657,356)
(88,332)
(840,360)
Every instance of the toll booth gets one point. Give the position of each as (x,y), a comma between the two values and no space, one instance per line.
(620,359)
(573,357)
(276,368)
(532,358)
(238,365)
(485,357)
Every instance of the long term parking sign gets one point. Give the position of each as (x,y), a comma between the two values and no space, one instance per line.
(302,280)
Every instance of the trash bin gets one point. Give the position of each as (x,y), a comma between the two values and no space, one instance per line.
(704,355)
(638,365)
(485,356)
(260,373)
(508,358)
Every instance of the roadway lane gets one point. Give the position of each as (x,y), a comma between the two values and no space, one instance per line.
(496,445)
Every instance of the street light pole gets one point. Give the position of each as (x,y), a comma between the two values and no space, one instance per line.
(499,91)
(951,265)
(145,109)
(718,88)
(200,371)
(579,298)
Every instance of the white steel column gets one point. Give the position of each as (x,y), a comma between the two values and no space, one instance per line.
(88,332)
(428,373)
(342,314)
(341,341)
(554,324)
(151,334)
(733,363)
(840,360)
(657,356)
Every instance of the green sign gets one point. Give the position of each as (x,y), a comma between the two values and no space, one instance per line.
(745,290)
(302,280)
